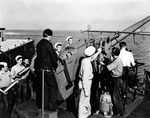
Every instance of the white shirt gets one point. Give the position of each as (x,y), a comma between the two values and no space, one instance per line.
(16,69)
(5,79)
(116,67)
(127,58)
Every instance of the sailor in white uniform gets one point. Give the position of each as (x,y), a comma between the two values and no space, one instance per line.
(58,47)
(86,75)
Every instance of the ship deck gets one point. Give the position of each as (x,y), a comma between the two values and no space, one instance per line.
(139,108)
(12,43)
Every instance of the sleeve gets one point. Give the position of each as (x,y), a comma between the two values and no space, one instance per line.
(12,72)
(53,55)
(113,65)
(132,59)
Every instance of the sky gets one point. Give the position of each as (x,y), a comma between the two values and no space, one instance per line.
(72,14)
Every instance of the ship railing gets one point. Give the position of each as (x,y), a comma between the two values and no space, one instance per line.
(26,49)
(135,87)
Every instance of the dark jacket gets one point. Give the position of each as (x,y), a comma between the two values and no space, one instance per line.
(46,55)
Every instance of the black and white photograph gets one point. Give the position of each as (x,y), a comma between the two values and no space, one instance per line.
(74,59)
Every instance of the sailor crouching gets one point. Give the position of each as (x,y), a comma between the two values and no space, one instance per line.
(5,80)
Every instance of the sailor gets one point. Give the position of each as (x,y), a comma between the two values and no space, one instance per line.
(69,40)
(46,61)
(58,47)
(86,75)
(5,80)
(116,69)
(128,61)
(126,56)
(22,90)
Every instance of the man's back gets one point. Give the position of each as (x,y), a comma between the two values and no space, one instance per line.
(46,55)
(127,58)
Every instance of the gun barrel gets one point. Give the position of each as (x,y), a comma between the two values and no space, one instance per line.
(132,28)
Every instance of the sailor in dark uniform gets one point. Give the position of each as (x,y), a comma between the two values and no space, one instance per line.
(46,61)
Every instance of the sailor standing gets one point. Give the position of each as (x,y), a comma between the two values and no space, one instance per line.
(22,90)
(128,61)
(5,80)
(86,75)
(58,47)
(69,40)
(46,61)
(116,69)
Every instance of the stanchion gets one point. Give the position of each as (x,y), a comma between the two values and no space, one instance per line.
(43,93)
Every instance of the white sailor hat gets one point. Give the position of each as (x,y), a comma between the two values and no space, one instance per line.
(56,44)
(3,63)
(18,57)
(89,51)
(69,37)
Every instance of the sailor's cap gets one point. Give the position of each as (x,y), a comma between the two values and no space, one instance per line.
(69,37)
(90,51)
(3,63)
(56,44)
(18,57)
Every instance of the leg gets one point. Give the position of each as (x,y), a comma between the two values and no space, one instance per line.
(52,89)
(6,112)
(24,91)
(117,101)
(38,89)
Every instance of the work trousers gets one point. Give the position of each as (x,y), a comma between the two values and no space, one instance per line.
(50,90)
(117,86)
(7,104)
(22,91)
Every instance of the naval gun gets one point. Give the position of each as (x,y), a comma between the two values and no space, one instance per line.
(132,28)
(67,71)
(121,35)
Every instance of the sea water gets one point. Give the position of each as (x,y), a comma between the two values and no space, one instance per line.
(140,47)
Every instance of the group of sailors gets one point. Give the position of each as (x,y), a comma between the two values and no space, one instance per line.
(17,93)
(110,75)
(45,63)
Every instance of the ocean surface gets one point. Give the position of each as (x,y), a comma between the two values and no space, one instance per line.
(140,49)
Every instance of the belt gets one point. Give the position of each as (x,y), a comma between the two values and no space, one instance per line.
(47,70)
(115,78)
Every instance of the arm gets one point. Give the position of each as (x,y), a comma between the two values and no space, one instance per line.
(96,54)
(32,64)
(132,60)
(112,66)
(53,55)
(25,76)
(13,74)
